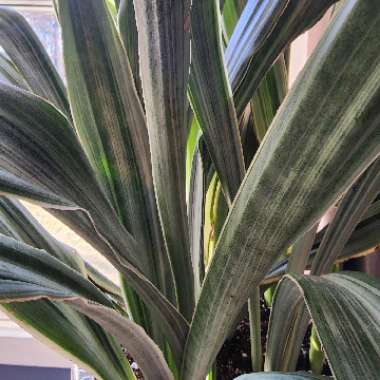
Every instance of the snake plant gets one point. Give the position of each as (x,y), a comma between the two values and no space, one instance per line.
(174,147)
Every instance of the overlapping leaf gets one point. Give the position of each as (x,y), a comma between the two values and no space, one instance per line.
(284,194)
(28,55)
(9,72)
(164,51)
(211,96)
(287,330)
(28,274)
(280,23)
(52,159)
(345,309)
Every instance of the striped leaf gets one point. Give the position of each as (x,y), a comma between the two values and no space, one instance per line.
(287,331)
(128,33)
(112,128)
(24,227)
(133,337)
(330,122)
(350,212)
(164,50)
(348,313)
(73,335)
(9,72)
(54,323)
(253,28)
(280,23)
(28,274)
(52,158)
(13,184)
(211,96)
(28,55)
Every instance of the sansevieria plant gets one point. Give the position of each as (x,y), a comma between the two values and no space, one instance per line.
(173,146)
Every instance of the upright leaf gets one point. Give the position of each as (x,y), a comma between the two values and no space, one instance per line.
(128,33)
(110,120)
(164,50)
(284,194)
(211,96)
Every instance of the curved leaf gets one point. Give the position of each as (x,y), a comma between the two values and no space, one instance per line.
(348,312)
(255,24)
(284,194)
(266,43)
(51,158)
(27,229)
(29,56)
(14,185)
(131,336)
(27,273)
(288,330)
(74,335)
(9,72)
(56,323)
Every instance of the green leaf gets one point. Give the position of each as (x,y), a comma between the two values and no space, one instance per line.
(361,243)
(268,97)
(345,308)
(251,31)
(12,184)
(211,96)
(25,227)
(28,55)
(350,211)
(109,118)
(27,273)
(100,353)
(138,344)
(283,21)
(231,12)
(52,159)
(281,376)
(74,335)
(9,72)
(287,330)
(330,122)
(128,33)
(254,311)
(164,50)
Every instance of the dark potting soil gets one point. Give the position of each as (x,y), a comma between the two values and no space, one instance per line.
(234,358)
